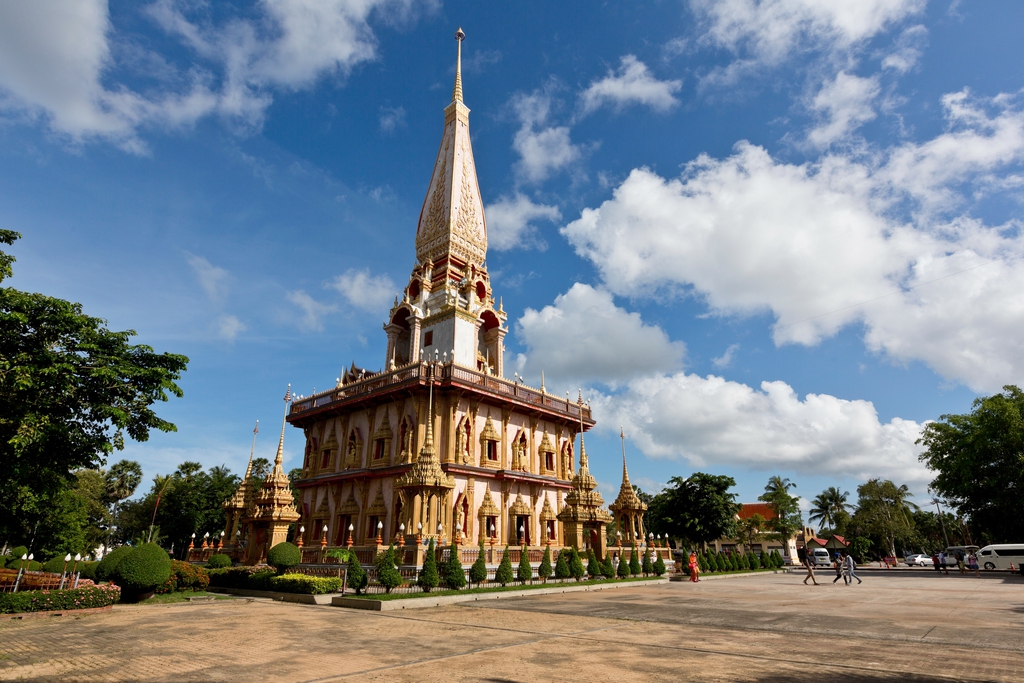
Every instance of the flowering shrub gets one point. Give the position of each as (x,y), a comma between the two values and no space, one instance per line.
(300,583)
(49,601)
(185,577)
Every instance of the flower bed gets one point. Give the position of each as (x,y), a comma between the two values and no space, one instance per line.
(57,600)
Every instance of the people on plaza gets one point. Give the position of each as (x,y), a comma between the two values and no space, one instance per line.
(851,570)
(972,563)
(935,562)
(942,562)
(840,568)
(810,570)
(960,564)
(694,567)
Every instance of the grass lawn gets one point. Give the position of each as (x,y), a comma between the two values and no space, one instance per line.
(180,596)
(497,589)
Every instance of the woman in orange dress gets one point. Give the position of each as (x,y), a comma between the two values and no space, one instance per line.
(694,567)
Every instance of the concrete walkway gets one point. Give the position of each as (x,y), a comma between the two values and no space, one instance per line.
(768,628)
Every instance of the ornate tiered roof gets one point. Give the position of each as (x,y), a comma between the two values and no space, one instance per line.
(275,501)
(627,500)
(583,503)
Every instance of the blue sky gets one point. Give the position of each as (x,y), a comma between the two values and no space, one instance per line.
(767,237)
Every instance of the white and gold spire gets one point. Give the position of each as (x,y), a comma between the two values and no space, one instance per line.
(452,222)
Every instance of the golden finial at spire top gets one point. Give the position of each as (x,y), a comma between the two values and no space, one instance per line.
(457,91)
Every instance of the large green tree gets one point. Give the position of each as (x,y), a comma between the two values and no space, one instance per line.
(71,390)
(830,508)
(978,460)
(885,511)
(698,509)
(785,506)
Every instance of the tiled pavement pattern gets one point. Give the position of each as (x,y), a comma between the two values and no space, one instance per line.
(764,629)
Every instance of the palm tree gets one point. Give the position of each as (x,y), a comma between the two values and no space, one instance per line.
(160,484)
(828,507)
(777,483)
(887,510)
(121,480)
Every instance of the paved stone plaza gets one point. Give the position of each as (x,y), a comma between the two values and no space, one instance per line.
(763,628)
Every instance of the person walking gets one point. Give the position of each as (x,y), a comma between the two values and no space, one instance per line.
(694,567)
(810,570)
(960,563)
(972,562)
(839,568)
(935,562)
(942,563)
(851,570)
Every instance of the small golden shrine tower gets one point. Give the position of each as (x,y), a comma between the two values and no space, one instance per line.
(628,508)
(272,510)
(242,499)
(583,516)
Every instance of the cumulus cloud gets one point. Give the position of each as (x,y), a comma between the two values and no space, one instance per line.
(584,337)
(312,311)
(56,62)
(363,290)
(725,360)
(845,103)
(907,50)
(391,119)
(767,32)
(213,279)
(709,421)
(229,327)
(631,84)
(543,149)
(825,244)
(510,222)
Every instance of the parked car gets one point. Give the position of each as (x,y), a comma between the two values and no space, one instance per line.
(1001,556)
(820,557)
(964,550)
(919,560)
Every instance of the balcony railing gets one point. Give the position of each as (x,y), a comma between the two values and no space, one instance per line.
(447,373)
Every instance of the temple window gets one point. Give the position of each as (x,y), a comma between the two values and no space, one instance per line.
(378,449)
(374,519)
(551,529)
(318,526)
(489,523)
(325,459)
(549,461)
(428,338)
(492,451)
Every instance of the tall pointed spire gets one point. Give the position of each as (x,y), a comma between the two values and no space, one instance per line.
(279,460)
(457,90)
(583,448)
(248,468)
(452,229)
(625,472)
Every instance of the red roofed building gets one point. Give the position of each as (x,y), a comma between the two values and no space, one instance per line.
(763,545)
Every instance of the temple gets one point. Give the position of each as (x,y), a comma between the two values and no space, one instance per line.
(439,444)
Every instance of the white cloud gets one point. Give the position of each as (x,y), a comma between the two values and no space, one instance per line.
(228,327)
(510,222)
(56,62)
(725,360)
(632,84)
(585,337)
(907,50)
(213,279)
(846,103)
(813,242)
(767,32)
(391,119)
(364,291)
(543,149)
(312,310)
(708,421)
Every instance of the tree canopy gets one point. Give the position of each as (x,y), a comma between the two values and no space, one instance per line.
(698,509)
(978,460)
(70,391)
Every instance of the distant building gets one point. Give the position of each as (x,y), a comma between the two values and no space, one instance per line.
(762,544)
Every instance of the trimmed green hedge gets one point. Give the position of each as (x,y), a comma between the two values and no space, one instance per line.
(218,561)
(107,569)
(263,579)
(144,569)
(49,601)
(284,556)
(88,570)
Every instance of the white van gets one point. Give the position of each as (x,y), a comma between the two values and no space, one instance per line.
(1001,556)
(820,557)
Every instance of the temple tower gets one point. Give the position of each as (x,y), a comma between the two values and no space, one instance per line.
(628,508)
(447,308)
(583,516)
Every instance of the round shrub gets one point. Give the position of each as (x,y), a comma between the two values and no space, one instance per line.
(55,565)
(185,576)
(3,561)
(284,556)
(218,561)
(33,566)
(18,551)
(107,569)
(143,569)
(88,570)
